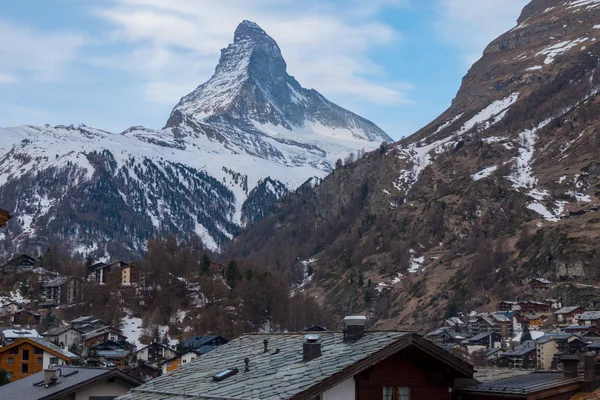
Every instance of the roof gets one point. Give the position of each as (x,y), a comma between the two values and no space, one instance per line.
(590,315)
(101,331)
(197,341)
(522,385)
(557,336)
(82,319)
(566,310)
(283,374)
(155,344)
(116,353)
(521,349)
(493,374)
(73,378)
(56,282)
(58,331)
(577,327)
(482,335)
(20,333)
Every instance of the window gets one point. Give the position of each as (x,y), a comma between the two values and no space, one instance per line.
(14,350)
(403,393)
(40,360)
(54,360)
(37,350)
(24,369)
(25,355)
(11,360)
(396,393)
(184,361)
(388,393)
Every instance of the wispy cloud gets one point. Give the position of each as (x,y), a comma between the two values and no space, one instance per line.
(470,26)
(35,55)
(176,43)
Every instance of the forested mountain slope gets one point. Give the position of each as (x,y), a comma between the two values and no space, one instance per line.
(502,187)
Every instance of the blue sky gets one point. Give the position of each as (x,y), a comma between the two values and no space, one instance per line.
(113,64)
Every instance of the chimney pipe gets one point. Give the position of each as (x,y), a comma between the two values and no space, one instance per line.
(266,344)
(49,376)
(354,326)
(311,348)
(570,363)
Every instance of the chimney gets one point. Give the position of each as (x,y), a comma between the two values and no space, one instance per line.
(354,327)
(50,377)
(266,344)
(590,382)
(570,363)
(311,348)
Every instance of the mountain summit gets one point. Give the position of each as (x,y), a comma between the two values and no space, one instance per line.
(228,152)
(252,91)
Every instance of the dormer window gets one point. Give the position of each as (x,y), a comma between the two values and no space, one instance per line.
(225,374)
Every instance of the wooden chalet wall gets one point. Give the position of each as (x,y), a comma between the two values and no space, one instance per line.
(428,378)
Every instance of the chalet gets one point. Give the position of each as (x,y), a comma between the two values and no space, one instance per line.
(118,358)
(355,365)
(98,273)
(203,344)
(507,305)
(534,306)
(19,263)
(444,336)
(106,333)
(492,355)
(522,356)
(65,336)
(26,317)
(550,347)
(590,318)
(319,366)
(456,324)
(534,321)
(142,370)
(176,362)
(70,382)
(567,315)
(155,352)
(27,356)
(87,324)
(540,284)
(484,340)
(555,304)
(62,290)
(4,217)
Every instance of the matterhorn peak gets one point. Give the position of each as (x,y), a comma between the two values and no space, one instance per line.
(248,30)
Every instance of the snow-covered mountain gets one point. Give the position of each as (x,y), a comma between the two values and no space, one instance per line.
(228,152)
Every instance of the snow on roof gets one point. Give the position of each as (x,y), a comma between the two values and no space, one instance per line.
(20,333)
(534,335)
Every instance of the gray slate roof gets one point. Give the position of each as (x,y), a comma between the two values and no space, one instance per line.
(58,331)
(521,349)
(54,347)
(26,388)
(522,385)
(566,310)
(272,375)
(590,315)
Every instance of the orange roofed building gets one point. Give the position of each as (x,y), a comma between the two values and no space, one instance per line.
(28,356)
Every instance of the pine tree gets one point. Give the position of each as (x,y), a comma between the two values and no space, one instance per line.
(526,335)
(205,264)
(4,377)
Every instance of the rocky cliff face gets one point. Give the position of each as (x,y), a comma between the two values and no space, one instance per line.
(228,152)
(502,187)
